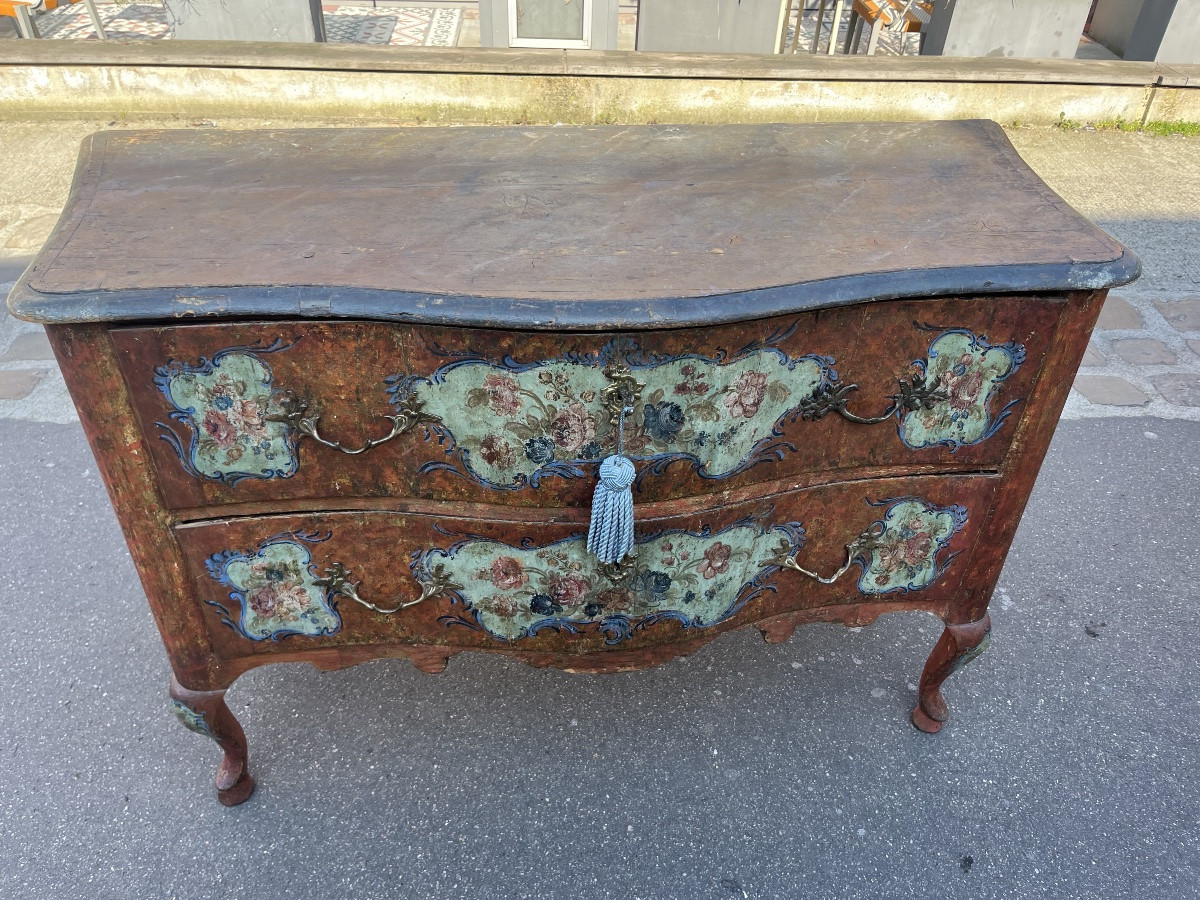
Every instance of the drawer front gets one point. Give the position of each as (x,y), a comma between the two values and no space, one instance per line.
(293,583)
(286,411)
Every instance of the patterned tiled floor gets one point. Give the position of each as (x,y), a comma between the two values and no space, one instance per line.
(134,21)
(410,26)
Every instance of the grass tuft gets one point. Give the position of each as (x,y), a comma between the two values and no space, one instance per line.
(1156,128)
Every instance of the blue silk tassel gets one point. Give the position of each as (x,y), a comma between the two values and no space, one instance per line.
(610,534)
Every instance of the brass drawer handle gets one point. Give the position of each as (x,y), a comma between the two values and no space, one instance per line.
(295,415)
(913,395)
(866,541)
(433,582)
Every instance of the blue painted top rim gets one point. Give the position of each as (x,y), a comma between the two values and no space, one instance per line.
(322,302)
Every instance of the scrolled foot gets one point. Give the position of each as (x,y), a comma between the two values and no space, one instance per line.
(205,712)
(958,645)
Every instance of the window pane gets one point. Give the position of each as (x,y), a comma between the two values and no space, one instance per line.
(559,19)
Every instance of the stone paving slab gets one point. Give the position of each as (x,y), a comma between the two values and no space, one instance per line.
(1140,364)
(1145,191)
(31,386)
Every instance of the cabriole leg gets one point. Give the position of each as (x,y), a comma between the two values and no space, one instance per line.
(958,645)
(205,712)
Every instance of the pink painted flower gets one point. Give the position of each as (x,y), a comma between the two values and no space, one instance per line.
(503,393)
(616,600)
(294,600)
(697,388)
(279,601)
(916,550)
(498,452)
(572,427)
(746,395)
(508,573)
(569,589)
(636,439)
(219,428)
(504,607)
(716,560)
(964,389)
(249,418)
(264,601)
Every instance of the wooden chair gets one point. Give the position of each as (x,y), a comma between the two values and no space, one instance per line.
(898,15)
(26,28)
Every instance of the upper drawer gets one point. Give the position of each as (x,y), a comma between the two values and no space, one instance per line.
(248,412)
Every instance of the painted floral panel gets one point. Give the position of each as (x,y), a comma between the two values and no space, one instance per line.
(509,424)
(274,590)
(969,369)
(226,402)
(696,578)
(906,556)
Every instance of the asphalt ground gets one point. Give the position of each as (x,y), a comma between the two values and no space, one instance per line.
(1069,768)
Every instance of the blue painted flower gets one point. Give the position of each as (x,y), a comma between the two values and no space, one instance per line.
(593,609)
(222,401)
(544,605)
(663,420)
(689,597)
(590,450)
(540,450)
(652,583)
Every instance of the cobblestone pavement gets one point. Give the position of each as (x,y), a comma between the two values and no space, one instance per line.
(1144,358)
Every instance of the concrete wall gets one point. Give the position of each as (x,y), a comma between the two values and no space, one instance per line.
(1048,29)
(239,20)
(215,81)
(1149,29)
(1113,22)
(1168,32)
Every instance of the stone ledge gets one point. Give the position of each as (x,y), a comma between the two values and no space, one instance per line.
(63,79)
(612,63)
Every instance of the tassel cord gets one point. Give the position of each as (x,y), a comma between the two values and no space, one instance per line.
(610,529)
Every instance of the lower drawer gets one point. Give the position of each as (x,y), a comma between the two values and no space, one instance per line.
(281,584)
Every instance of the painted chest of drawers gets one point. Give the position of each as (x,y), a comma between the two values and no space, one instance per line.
(349,389)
